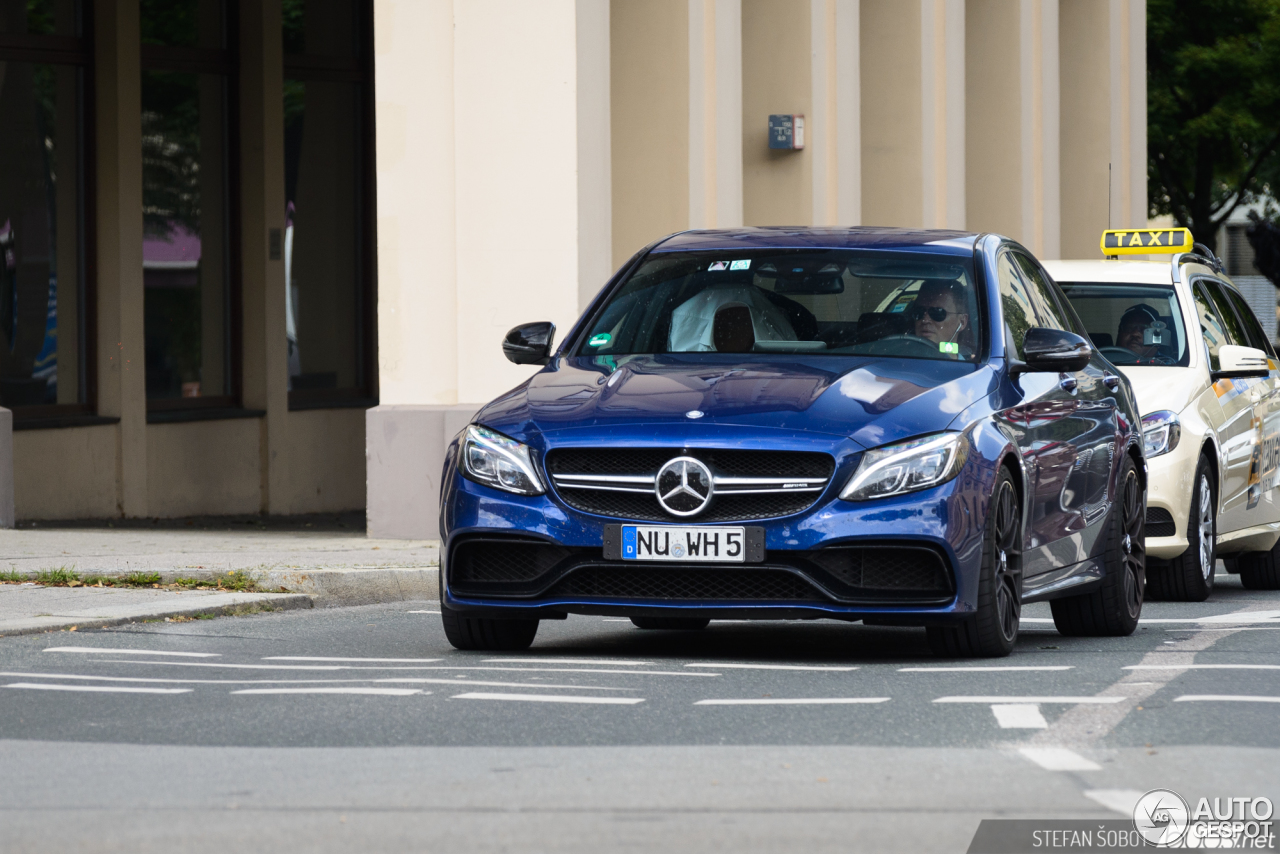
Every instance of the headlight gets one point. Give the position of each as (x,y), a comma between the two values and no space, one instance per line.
(907,467)
(494,460)
(1160,432)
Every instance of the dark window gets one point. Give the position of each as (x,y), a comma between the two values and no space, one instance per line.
(1257,338)
(187,260)
(328,241)
(1215,335)
(1235,330)
(1043,299)
(1018,303)
(45,360)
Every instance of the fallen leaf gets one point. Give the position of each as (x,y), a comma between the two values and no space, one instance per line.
(73,628)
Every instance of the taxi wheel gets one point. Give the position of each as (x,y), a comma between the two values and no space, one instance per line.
(993,630)
(682,624)
(1112,610)
(1189,576)
(1261,570)
(482,633)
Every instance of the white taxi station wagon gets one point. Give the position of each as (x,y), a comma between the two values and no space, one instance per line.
(1206,378)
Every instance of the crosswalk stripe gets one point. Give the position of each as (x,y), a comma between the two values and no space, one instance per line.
(97,689)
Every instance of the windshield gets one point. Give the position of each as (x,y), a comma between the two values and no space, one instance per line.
(811,302)
(1131,324)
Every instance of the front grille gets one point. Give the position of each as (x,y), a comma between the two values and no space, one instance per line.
(702,585)
(886,568)
(502,560)
(1160,523)
(785,482)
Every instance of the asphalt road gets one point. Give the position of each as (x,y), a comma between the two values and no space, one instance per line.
(361,729)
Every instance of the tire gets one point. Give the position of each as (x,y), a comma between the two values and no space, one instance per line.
(486,634)
(1113,609)
(682,624)
(1260,570)
(993,630)
(1189,576)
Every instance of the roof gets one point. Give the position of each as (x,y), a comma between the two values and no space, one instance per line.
(1127,272)
(957,243)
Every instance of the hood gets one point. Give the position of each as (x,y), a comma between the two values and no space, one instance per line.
(872,400)
(1157,388)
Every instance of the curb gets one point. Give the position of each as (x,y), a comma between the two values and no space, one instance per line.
(221,604)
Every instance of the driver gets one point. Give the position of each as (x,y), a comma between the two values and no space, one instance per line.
(939,313)
(1133,324)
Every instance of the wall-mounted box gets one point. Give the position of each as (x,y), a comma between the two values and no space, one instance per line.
(786,131)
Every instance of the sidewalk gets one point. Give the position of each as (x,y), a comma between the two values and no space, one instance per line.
(325,562)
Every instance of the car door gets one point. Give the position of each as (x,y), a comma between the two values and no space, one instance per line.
(1233,399)
(1260,505)
(1060,425)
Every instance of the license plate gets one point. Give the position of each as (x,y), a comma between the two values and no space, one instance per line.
(653,542)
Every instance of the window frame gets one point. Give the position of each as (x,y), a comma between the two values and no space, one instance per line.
(225,62)
(1198,287)
(76,51)
(357,69)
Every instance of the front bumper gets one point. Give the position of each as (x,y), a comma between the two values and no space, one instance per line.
(911,560)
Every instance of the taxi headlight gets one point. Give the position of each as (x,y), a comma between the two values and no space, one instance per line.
(494,460)
(907,467)
(1160,433)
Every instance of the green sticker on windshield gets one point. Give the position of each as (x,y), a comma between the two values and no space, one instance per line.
(599,340)
(949,347)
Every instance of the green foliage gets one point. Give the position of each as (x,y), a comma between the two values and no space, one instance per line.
(139,579)
(1213,108)
(12,576)
(61,575)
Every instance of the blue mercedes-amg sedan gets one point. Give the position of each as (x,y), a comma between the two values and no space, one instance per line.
(893,426)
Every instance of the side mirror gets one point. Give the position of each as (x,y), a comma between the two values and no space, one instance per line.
(1053,351)
(1236,362)
(530,344)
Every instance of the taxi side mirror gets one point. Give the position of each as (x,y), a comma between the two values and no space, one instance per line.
(1236,362)
(530,343)
(1053,351)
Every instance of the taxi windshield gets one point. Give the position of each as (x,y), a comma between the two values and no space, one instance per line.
(1131,324)
(810,302)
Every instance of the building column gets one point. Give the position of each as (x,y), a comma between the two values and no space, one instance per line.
(1103,120)
(834,127)
(121,370)
(265,355)
(715,113)
(912,112)
(1012,133)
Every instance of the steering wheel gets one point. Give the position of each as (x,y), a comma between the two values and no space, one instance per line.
(904,344)
(1119,355)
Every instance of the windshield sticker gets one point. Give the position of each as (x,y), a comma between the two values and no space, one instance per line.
(599,340)
(740,265)
(949,347)
(718,265)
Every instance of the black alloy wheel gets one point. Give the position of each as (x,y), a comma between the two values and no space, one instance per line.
(487,634)
(1189,576)
(993,630)
(682,624)
(1113,608)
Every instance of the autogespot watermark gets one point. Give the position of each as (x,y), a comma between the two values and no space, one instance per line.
(1161,819)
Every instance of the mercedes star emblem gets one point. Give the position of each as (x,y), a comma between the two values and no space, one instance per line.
(684,486)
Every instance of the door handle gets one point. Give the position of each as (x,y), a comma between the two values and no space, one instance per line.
(1111,381)
(1068,384)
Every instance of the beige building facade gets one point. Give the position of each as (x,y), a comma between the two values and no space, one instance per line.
(269,255)
(527,150)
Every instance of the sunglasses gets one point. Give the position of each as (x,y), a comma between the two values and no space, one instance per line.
(936,313)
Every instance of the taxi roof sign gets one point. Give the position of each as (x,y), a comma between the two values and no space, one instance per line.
(1146,241)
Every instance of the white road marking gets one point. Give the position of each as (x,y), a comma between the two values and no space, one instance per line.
(23,675)
(1202,667)
(1226,698)
(112,689)
(568,661)
(773,667)
(1071,701)
(794,701)
(368,660)
(1121,800)
(402,667)
(615,620)
(576,670)
(1058,759)
(238,666)
(1019,716)
(382,692)
(990,669)
(1217,619)
(423,612)
(471,682)
(95,649)
(551,698)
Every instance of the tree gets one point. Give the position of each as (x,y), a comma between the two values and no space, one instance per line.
(1213,108)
